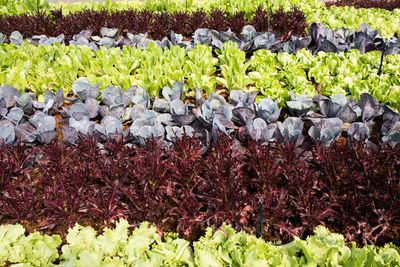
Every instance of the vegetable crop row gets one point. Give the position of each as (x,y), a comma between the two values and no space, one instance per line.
(145,246)
(387,22)
(155,25)
(29,121)
(381,4)
(40,68)
(353,189)
(228,6)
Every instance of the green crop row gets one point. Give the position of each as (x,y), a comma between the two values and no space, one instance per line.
(229,6)
(350,73)
(387,22)
(18,7)
(40,68)
(144,247)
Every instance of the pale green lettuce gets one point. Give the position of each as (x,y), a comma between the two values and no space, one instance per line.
(32,250)
(145,247)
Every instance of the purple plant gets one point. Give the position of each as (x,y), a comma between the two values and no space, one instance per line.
(351,189)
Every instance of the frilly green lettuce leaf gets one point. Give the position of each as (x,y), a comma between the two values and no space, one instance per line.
(41,249)
(388,255)
(224,247)
(139,243)
(327,249)
(9,249)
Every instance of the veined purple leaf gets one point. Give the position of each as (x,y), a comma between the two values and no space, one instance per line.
(174,92)
(25,101)
(109,32)
(83,126)
(46,124)
(140,97)
(112,126)
(9,93)
(93,107)
(7,133)
(84,90)
(248,33)
(36,118)
(16,38)
(393,135)
(291,129)
(79,111)
(112,96)
(25,132)
(117,111)
(165,119)
(268,110)
(215,101)
(160,105)
(300,105)
(242,114)
(174,132)
(202,36)
(136,111)
(326,130)
(370,107)
(15,115)
(358,131)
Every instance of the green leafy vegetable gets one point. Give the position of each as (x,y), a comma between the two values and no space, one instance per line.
(145,247)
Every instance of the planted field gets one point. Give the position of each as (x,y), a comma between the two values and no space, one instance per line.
(210,133)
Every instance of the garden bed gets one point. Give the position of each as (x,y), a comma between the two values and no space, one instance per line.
(202,119)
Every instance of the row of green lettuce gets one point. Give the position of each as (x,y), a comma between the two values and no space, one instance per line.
(387,22)
(145,247)
(18,7)
(39,68)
